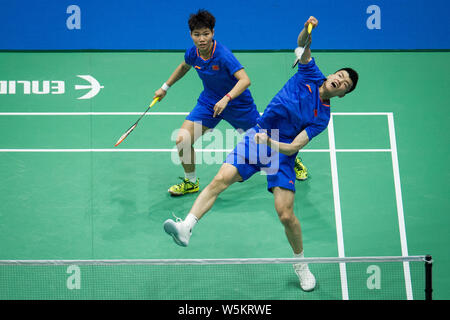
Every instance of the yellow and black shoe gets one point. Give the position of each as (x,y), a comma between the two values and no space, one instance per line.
(184,187)
(301,173)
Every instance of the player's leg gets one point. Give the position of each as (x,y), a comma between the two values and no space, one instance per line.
(181,230)
(199,120)
(284,205)
(189,132)
(227,175)
(236,168)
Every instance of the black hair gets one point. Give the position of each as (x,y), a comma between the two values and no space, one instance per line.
(353,76)
(201,19)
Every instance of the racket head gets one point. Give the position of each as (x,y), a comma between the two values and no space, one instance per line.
(125,135)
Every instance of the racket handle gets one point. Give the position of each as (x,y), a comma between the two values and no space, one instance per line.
(299,50)
(154,101)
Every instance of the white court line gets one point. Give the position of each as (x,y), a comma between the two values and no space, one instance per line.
(337,209)
(398,195)
(92,113)
(110,150)
(175,150)
(361,113)
(156,113)
(363,150)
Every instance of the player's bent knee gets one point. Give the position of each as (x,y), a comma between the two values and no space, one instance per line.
(230,173)
(219,183)
(223,179)
(284,209)
(184,140)
(287,218)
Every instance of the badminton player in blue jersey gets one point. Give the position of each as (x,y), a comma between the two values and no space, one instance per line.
(225,95)
(297,113)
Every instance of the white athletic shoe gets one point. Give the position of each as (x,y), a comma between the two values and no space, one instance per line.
(307,279)
(179,231)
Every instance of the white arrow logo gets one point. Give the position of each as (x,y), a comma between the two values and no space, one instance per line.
(94,86)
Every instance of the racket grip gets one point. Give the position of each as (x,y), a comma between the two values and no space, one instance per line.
(154,101)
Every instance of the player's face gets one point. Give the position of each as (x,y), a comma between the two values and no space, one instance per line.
(202,38)
(338,84)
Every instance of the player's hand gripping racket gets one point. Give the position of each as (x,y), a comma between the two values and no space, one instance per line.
(135,124)
(299,50)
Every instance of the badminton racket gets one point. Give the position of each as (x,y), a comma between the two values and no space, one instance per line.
(123,137)
(299,50)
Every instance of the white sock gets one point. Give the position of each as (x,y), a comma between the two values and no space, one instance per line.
(299,255)
(190,220)
(191,176)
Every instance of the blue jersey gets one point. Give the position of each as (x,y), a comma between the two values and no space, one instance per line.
(297,106)
(217,74)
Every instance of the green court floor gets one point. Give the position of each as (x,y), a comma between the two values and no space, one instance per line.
(67,193)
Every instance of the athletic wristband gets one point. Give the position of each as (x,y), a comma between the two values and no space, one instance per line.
(229,96)
(165,87)
(299,52)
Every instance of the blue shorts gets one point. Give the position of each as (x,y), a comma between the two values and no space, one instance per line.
(249,157)
(240,117)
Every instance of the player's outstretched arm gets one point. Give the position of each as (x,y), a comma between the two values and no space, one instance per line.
(178,73)
(304,41)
